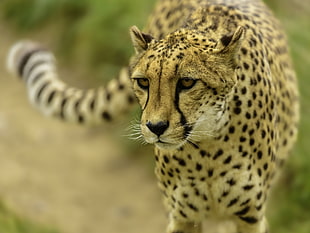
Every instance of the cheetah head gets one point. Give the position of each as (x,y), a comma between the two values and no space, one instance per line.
(183,84)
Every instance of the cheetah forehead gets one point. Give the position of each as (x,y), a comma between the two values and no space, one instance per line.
(184,39)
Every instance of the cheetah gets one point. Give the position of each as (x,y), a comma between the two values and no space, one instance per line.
(218,97)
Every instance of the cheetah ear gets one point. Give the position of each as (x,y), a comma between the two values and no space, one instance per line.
(139,39)
(229,45)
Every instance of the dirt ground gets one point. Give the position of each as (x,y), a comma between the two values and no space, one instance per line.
(76,179)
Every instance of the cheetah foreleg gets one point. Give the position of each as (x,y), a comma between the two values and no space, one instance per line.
(261,226)
(176,226)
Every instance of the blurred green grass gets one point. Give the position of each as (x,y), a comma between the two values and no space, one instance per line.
(96,32)
(99,29)
(12,223)
(290,203)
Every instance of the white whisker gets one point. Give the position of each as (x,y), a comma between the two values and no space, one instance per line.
(134,132)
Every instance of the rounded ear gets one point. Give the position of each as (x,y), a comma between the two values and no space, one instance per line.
(139,39)
(229,45)
(231,42)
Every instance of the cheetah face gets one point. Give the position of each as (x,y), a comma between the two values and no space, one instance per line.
(183,84)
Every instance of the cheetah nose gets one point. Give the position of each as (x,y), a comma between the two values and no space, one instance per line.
(158,128)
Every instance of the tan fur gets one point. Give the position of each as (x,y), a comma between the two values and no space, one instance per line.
(219,100)
(217,143)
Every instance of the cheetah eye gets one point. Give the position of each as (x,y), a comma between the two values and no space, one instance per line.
(186,83)
(143,83)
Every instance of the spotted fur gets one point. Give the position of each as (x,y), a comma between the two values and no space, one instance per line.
(219,100)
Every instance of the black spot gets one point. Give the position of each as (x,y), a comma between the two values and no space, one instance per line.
(51,96)
(244,50)
(180,55)
(250,220)
(259,154)
(246,65)
(218,154)
(249,103)
(238,103)
(231,182)
(43,87)
(183,214)
(203,153)
(121,86)
(259,172)
(248,187)
(198,166)
(244,128)
(182,162)
(166,159)
(233,202)
(193,207)
(210,172)
(223,173)
(80,119)
(231,129)
(197,193)
(62,108)
(259,195)
(226,40)
(25,60)
(244,211)
(252,142)
(108,96)
(92,105)
(225,193)
(237,110)
(227,160)
(130,99)
(162,172)
(251,132)
(243,91)
(106,116)
(259,207)
(237,166)
(37,77)
(245,202)
(77,105)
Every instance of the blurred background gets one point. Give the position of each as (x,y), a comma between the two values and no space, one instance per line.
(62,178)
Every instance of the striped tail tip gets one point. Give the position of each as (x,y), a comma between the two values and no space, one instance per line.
(18,55)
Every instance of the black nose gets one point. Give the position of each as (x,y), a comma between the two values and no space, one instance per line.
(158,128)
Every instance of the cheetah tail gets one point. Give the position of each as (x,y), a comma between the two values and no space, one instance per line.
(35,65)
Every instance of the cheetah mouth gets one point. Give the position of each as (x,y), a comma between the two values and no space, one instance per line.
(168,145)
